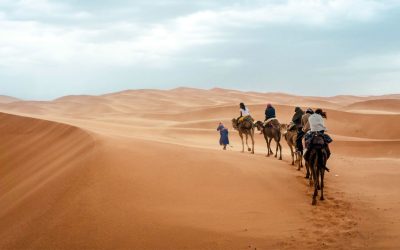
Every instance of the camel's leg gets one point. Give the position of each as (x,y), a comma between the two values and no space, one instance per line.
(322,169)
(310,174)
(292,153)
(267,141)
(241,137)
(278,147)
(307,170)
(248,148)
(322,183)
(301,159)
(299,163)
(316,181)
(280,150)
(314,199)
(270,147)
(316,185)
(252,141)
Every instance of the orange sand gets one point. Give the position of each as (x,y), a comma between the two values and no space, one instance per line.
(142,169)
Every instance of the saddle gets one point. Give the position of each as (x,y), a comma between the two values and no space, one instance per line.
(272,123)
(246,120)
(291,126)
(317,140)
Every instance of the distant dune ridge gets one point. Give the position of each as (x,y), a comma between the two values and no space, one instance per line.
(7,99)
(383,105)
(142,169)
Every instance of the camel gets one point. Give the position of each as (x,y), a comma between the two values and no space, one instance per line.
(290,137)
(317,161)
(246,128)
(271,132)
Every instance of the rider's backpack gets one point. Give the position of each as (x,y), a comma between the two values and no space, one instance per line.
(317,141)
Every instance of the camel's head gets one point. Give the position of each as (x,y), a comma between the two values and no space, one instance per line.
(234,123)
(259,125)
(284,135)
(284,129)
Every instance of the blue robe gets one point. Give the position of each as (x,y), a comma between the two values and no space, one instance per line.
(224,139)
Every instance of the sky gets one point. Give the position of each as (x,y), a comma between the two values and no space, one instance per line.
(54,48)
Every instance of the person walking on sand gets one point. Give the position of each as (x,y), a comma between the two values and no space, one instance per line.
(224,139)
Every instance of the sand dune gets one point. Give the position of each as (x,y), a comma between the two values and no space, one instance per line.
(141,169)
(380,105)
(41,162)
(7,99)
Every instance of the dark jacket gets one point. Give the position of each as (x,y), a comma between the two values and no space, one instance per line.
(297,117)
(270,113)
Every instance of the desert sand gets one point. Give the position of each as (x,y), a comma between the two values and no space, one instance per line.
(142,169)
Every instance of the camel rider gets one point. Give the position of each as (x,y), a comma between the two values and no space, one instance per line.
(317,125)
(297,121)
(244,113)
(304,120)
(317,122)
(269,114)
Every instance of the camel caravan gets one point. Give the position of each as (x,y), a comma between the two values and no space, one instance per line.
(308,125)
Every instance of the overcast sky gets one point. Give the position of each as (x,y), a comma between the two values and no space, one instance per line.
(327,47)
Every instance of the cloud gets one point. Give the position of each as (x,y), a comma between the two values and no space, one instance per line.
(39,6)
(121,43)
(37,42)
(384,62)
(306,12)
(373,64)
(53,44)
(39,35)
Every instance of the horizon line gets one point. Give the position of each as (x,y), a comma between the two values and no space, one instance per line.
(192,88)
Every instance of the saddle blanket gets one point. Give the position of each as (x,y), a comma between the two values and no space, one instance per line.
(269,120)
